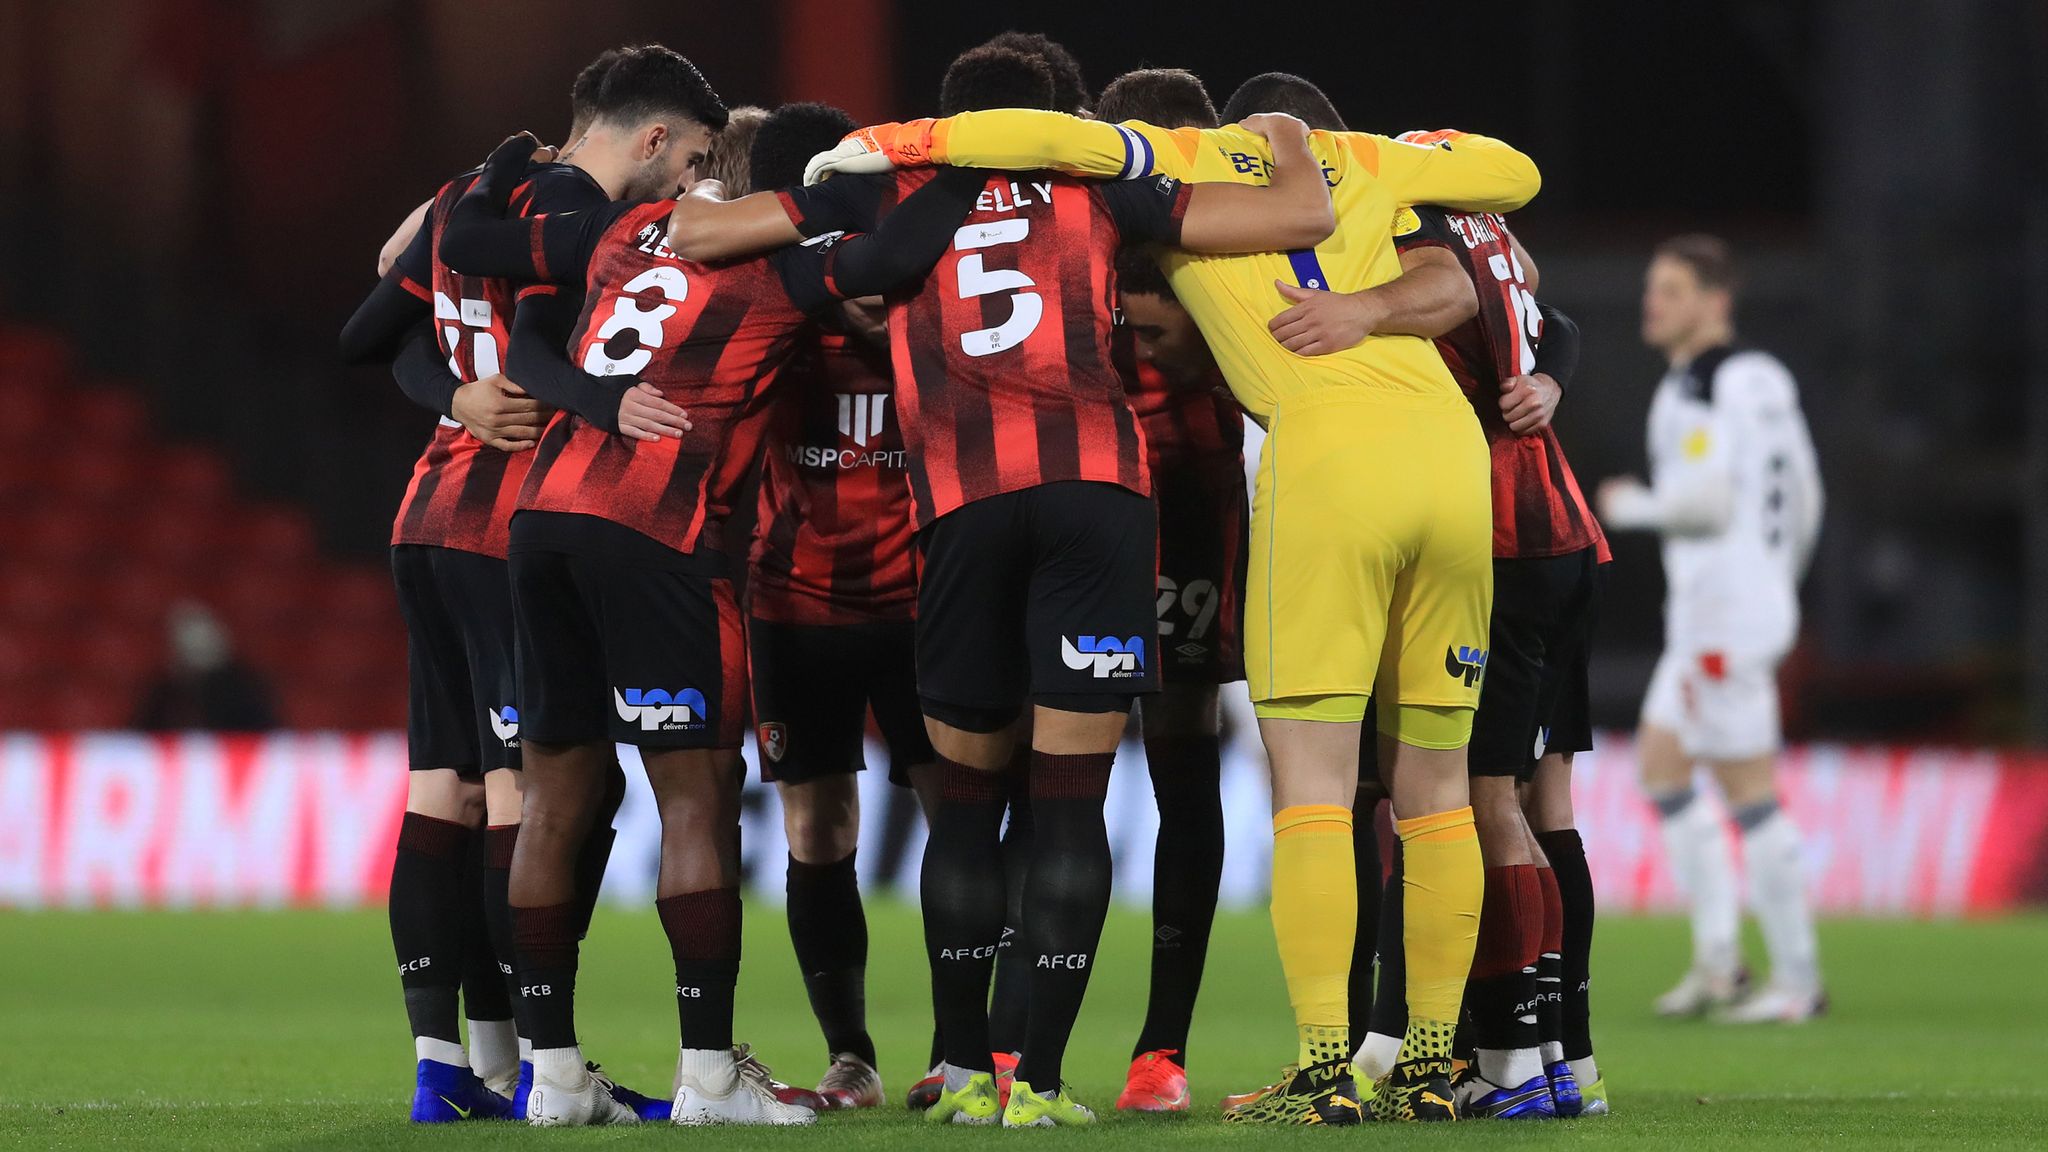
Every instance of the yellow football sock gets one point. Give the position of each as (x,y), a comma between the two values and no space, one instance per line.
(1443,881)
(1315,919)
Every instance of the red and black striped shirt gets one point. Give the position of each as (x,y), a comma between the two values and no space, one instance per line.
(462,491)
(832,542)
(1189,427)
(1538,509)
(1005,378)
(712,338)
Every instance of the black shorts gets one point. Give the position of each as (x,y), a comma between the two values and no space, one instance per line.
(621,639)
(460,709)
(1534,698)
(1204,525)
(814,685)
(1042,595)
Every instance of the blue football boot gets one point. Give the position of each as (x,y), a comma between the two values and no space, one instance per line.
(647,1108)
(1565,1097)
(1481,1099)
(445,1093)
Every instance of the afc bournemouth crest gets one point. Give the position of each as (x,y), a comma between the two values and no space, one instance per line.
(774,742)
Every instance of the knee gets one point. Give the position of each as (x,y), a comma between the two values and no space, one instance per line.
(820,834)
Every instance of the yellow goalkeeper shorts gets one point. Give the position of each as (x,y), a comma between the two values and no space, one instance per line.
(1371,551)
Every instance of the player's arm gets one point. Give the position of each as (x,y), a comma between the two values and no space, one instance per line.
(402,298)
(1432,296)
(823,272)
(1528,403)
(480,239)
(1694,494)
(706,227)
(1017,139)
(538,358)
(1459,170)
(408,229)
(1292,210)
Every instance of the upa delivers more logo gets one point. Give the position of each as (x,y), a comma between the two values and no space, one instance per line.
(1465,663)
(655,710)
(1111,658)
(505,722)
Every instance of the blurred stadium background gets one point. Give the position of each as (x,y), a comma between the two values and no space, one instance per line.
(195,497)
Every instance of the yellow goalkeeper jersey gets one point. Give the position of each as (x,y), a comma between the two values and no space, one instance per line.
(1231,298)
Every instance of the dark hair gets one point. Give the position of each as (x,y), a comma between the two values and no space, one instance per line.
(789,137)
(1283,92)
(728,159)
(1708,256)
(649,81)
(1137,272)
(1069,86)
(583,92)
(985,77)
(1167,97)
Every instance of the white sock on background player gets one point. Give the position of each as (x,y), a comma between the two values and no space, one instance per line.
(494,1050)
(1696,842)
(1375,1056)
(1777,894)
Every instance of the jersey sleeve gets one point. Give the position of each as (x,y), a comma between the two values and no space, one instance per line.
(551,246)
(1460,171)
(380,325)
(1019,138)
(835,267)
(1422,226)
(1557,350)
(1147,210)
(538,361)
(422,372)
(556,189)
(848,203)
(415,265)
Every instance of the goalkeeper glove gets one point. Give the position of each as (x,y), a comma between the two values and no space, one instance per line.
(876,149)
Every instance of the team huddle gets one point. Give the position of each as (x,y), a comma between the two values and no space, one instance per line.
(762,420)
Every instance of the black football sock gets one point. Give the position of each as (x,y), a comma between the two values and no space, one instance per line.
(1365,856)
(829,930)
(1187,868)
(544,938)
(1010,1003)
(429,884)
(596,851)
(1567,855)
(1549,969)
(704,938)
(1390,999)
(962,897)
(484,994)
(1066,898)
(499,842)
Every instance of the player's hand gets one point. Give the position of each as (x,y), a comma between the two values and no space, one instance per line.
(1617,493)
(1528,402)
(645,415)
(857,153)
(875,149)
(499,413)
(513,154)
(1275,126)
(1320,322)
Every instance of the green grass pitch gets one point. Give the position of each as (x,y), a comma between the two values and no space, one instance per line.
(285,1030)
